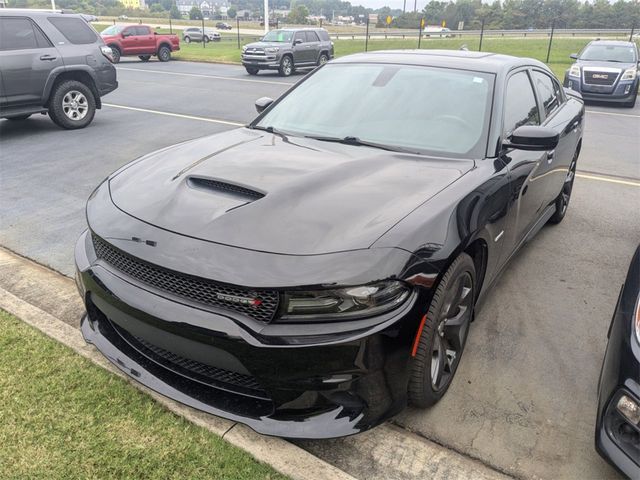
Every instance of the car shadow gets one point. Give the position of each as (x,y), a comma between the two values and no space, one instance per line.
(10,129)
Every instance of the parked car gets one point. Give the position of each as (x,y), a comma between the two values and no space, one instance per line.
(618,422)
(311,273)
(223,26)
(441,32)
(52,63)
(140,40)
(194,34)
(606,71)
(287,49)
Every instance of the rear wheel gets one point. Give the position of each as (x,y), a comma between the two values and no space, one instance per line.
(116,54)
(562,201)
(286,66)
(19,118)
(252,70)
(323,59)
(444,334)
(72,105)
(164,54)
(144,58)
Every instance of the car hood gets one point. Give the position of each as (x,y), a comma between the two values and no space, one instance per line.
(596,64)
(266,44)
(288,195)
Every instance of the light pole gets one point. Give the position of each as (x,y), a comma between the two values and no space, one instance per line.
(266,16)
(53,4)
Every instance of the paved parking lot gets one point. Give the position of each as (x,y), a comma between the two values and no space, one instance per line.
(525,395)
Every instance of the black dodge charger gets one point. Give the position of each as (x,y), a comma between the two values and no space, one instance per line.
(311,273)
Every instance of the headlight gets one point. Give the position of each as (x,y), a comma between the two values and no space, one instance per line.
(272,49)
(630,74)
(574,71)
(344,303)
(244,48)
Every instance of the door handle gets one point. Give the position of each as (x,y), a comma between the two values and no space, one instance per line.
(550,156)
(47,57)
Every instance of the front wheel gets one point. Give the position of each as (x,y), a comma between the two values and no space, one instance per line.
(444,334)
(72,105)
(631,103)
(115,54)
(206,39)
(164,54)
(286,66)
(252,70)
(187,39)
(562,200)
(144,58)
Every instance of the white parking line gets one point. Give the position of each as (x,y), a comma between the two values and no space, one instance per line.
(613,113)
(200,75)
(608,179)
(178,115)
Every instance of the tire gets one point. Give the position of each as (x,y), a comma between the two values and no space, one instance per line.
(187,39)
(286,66)
(444,334)
(164,53)
(631,103)
(116,54)
(72,105)
(324,58)
(19,118)
(144,58)
(562,200)
(252,70)
(205,39)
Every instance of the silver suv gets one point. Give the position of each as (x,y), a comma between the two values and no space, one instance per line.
(288,49)
(53,63)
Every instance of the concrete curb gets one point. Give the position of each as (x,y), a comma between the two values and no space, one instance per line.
(49,302)
(283,456)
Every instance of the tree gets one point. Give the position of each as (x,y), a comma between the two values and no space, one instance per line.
(156,8)
(231,12)
(298,15)
(174,12)
(195,13)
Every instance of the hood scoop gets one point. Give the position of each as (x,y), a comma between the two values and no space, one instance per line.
(226,188)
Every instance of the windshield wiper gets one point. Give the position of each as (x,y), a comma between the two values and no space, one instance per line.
(349,140)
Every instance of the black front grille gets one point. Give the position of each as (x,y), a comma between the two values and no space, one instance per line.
(600,78)
(217,377)
(260,305)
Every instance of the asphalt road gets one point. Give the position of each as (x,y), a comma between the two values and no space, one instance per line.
(524,398)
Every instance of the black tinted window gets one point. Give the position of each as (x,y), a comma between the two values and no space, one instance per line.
(17,34)
(75,30)
(520,104)
(547,90)
(324,36)
(312,37)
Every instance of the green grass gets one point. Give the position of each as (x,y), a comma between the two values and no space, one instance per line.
(62,417)
(227,51)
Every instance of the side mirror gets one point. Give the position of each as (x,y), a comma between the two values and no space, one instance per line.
(533,138)
(263,103)
(574,56)
(298,41)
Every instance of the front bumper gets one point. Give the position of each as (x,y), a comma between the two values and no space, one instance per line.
(267,61)
(314,386)
(620,92)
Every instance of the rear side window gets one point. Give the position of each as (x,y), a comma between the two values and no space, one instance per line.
(75,30)
(312,37)
(520,104)
(20,34)
(548,92)
(324,36)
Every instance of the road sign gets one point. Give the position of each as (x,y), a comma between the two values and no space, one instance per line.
(444,23)
(389,19)
(422,23)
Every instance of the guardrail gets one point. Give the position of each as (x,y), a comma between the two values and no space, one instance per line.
(487,33)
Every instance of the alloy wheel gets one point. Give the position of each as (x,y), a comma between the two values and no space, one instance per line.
(75,105)
(565,195)
(287,68)
(451,333)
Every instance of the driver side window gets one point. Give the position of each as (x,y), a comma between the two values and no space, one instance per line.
(299,36)
(520,106)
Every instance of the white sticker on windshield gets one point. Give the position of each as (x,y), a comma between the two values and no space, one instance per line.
(477,80)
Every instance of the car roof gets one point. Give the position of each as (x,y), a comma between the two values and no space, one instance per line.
(621,43)
(460,59)
(32,12)
(300,29)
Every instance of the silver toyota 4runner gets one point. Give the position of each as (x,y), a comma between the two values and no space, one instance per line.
(288,49)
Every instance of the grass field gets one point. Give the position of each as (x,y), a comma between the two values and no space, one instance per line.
(64,418)
(227,51)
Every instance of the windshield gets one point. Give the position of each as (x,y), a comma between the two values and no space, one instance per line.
(609,53)
(278,36)
(411,108)
(112,30)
